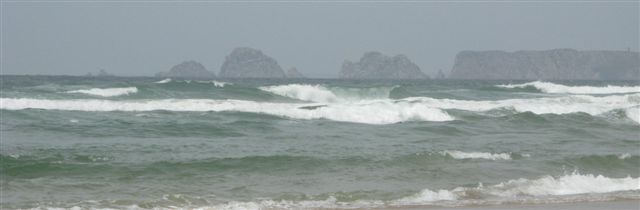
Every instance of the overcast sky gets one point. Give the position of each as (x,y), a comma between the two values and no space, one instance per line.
(145,37)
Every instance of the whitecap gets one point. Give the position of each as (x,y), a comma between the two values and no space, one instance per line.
(216,83)
(315,93)
(321,93)
(633,113)
(548,87)
(521,189)
(107,92)
(167,80)
(386,111)
(549,105)
(476,155)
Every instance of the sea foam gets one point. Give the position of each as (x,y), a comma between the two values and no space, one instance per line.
(477,155)
(545,189)
(324,94)
(573,187)
(571,184)
(386,111)
(106,92)
(548,87)
(315,93)
(167,80)
(549,105)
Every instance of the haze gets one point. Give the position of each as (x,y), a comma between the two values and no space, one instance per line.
(142,38)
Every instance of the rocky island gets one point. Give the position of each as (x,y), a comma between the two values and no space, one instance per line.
(294,73)
(246,62)
(556,64)
(375,65)
(187,69)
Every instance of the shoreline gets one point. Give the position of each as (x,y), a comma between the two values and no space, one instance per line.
(594,205)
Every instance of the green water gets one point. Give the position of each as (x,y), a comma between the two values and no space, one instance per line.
(316,144)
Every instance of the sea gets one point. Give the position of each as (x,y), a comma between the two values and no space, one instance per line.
(153,143)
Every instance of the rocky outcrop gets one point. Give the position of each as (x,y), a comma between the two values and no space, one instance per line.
(187,69)
(557,64)
(294,73)
(375,65)
(246,62)
(440,75)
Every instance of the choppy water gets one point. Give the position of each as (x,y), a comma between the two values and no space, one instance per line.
(294,144)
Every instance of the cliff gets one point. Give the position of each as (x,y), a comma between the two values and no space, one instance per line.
(246,62)
(187,69)
(375,65)
(556,64)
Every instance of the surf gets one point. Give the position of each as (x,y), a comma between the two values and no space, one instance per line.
(548,87)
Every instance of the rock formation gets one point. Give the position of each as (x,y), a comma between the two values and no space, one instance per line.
(187,69)
(246,62)
(440,75)
(294,73)
(556,64)
(375,65)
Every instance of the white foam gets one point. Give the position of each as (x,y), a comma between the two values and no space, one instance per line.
(314,93)
(427,196)
(107,92)
(167,80)
(624,156)
(571,184)
(216,83)
(320,93)
(547,189)
(548,87)
(370,112)
(477,155)
(549,105)
(633,113)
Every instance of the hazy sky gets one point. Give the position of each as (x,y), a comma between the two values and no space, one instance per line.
(144,37)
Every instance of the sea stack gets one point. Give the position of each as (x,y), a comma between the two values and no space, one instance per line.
(375,65)
(244,62)
(294,73)
(187,69)
(556,64)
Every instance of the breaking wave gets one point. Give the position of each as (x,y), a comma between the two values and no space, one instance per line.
(215,83)
(320,93)
(551,105)
(548,189)
(386,112)
(107,92)
(520,189)
(167,80)
(548,87)
(476,155)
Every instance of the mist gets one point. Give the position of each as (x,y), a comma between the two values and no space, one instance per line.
(140,39)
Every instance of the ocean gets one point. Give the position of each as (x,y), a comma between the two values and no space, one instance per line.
(149,143)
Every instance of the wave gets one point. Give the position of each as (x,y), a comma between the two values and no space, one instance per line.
(216,83)
(548,87)
(550,105)
(167,80)
(548,189)
(386,111)
(107,92)
(633,113)
(314,93)
(573,187)
(520,189)
(477,155)
(320,93)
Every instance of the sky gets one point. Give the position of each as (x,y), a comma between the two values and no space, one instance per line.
(140,38)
